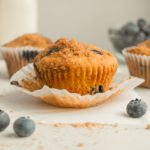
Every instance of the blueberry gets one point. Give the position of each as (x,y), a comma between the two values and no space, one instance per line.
(145,29)
(16,83)
(122,31)
(148,37)
(128,39)
(140,37)
(98,52)
(52,51)
(141,22)
(4,120)
(101,89)
(24,127)
(136,108)
(131,28)
(29,55)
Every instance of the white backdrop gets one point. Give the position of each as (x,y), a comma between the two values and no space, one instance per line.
(88,20)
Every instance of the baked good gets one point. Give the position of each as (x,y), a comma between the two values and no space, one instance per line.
(30,40)
(22,50)
(75,66)
(138,60)
(145,44)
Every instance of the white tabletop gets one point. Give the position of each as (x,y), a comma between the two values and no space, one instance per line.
(47,136)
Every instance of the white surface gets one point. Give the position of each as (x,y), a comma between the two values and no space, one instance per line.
(131,133)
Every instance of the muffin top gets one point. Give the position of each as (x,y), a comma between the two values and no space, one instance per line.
(141,49)
(65,54)
(146,44)
(30,40)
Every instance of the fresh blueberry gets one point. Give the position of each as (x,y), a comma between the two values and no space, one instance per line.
(131,28)
(140,37)
(16,83)
(122,31)
(101,89)
(136,108)
(52,51)
(98,52)
(148,37)
(4,120)
(128,39)
(141,22)
(24,127)
(29,55)
(145,29)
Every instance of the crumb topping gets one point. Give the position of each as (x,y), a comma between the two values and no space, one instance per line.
(66,53)
(30,40)
(140,50)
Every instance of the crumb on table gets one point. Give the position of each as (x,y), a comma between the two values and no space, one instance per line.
(148,127)
(81,144)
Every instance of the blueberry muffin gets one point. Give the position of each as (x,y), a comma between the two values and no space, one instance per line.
(138,60)
(145,44)
(22,50)
(75,66)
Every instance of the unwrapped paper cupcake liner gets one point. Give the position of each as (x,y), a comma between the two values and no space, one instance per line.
(139,66)
(16,58)
(26,81)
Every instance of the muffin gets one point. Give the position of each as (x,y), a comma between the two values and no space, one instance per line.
(75,66)
(145,44)
(138,61)
(22,50)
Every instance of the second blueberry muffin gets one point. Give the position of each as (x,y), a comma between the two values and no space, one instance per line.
(75,66)
(22,50)
(138,61)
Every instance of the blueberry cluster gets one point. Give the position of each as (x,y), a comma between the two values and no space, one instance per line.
(23,126)
(130,34)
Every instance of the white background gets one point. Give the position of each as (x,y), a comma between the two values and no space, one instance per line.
(88,20)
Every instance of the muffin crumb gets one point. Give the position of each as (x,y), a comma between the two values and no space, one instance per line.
(80,144)
(148,127)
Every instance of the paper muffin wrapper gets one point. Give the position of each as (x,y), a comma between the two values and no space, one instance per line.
(63,98)
(16,58)
(139,66)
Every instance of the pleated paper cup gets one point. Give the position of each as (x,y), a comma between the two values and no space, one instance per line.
(139,66)
(16,58)
(27,81)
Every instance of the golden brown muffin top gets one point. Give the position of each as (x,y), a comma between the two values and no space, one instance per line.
(146,44)
(141,49)
(30,40)
(65,54)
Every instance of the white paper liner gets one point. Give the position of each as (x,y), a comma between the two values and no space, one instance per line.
(63,98)
(139,65)
(14,59)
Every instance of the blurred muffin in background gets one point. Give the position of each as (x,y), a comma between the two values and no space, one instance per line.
(138,60)
(22,50)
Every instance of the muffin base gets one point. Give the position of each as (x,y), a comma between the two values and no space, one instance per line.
(27,81)
(14,58)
